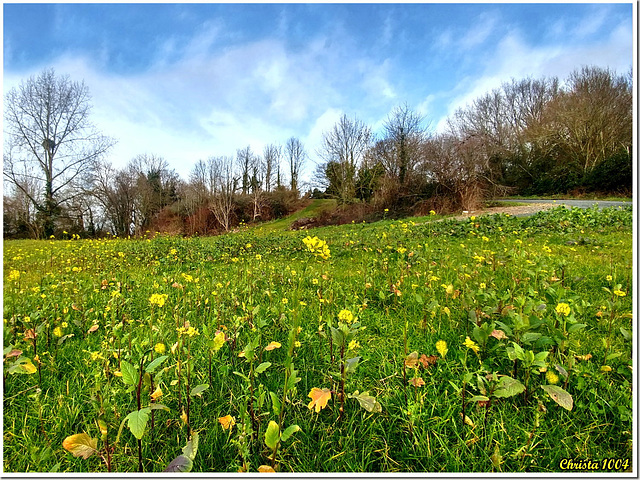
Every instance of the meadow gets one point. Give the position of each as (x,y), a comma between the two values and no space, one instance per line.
(419,345)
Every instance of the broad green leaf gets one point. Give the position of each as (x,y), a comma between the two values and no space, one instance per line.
(576,327)
(158,406)
(272,435)
(351,364)
(155,364)
(530,337)
(366,401)
(625,333)
(80,445)
(137,422)
(614,355)
(337,337)
(129,373)
(191,448)
(293,378)
(180,464)
(23,365)
(559,395)
(288,432)
(515,352)
(199,389)
(508,387)
(262,367)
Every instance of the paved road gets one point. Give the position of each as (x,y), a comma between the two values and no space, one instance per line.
(573,203)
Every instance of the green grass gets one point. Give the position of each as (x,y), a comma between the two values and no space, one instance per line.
(407,282)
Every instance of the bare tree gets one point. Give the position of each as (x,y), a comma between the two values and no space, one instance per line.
(592,119)
(343,148)
(405,133)
(223,185)
(50,141)
(296,157)
(116,191)
(271,155)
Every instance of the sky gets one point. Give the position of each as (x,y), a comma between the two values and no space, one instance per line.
(191,81)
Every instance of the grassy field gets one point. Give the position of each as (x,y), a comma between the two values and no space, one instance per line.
(489,344)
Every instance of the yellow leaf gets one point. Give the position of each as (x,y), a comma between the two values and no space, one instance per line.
(93,328)
(266,469)
(80,445)
(183,416)
(272,346)
(411,361)
(117,373)
(157,394)
(319,398)
(227,422)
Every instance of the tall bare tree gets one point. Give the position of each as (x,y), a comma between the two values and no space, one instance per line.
(405,132)
(50,139)
(271,155)
(223,185)
(343,148)
(296,156)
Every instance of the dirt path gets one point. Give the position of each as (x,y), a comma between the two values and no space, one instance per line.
(516,210)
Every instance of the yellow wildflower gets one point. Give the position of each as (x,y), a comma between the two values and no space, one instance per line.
(441,347)
(563,309)
(472,345)
(160,348)
(345,315)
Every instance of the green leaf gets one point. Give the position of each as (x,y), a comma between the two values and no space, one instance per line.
(351,364)
(199,389)
(242,375)
(154,364)
(559,395)
(366,401)
(129,373)
(158,406)
(80,445)
(479,398)
(530,337)
(180,464)
(272,435)
(625,333)
(576,327)
(338,337)
(275,401)
(612,356)
(191,448)
(137,422)
(288,432)
(508,387)
(23,365)
(262,367)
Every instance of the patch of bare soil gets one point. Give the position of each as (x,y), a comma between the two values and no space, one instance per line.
(516,210)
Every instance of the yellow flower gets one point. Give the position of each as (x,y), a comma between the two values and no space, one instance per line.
(160,348)
(446,310)
(563,309)
(353,345)
(483,285)
(619,293)
(441,347)
(432,212)
(227,422)
(605,369)
(14,275)
(472,345)
(609,278)
(345,315)
(297,344)
(57,332)
(552,378)
(158,299)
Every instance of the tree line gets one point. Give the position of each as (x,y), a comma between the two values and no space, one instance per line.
(530,136)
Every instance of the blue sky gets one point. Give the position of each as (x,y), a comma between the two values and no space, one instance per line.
(189,81)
